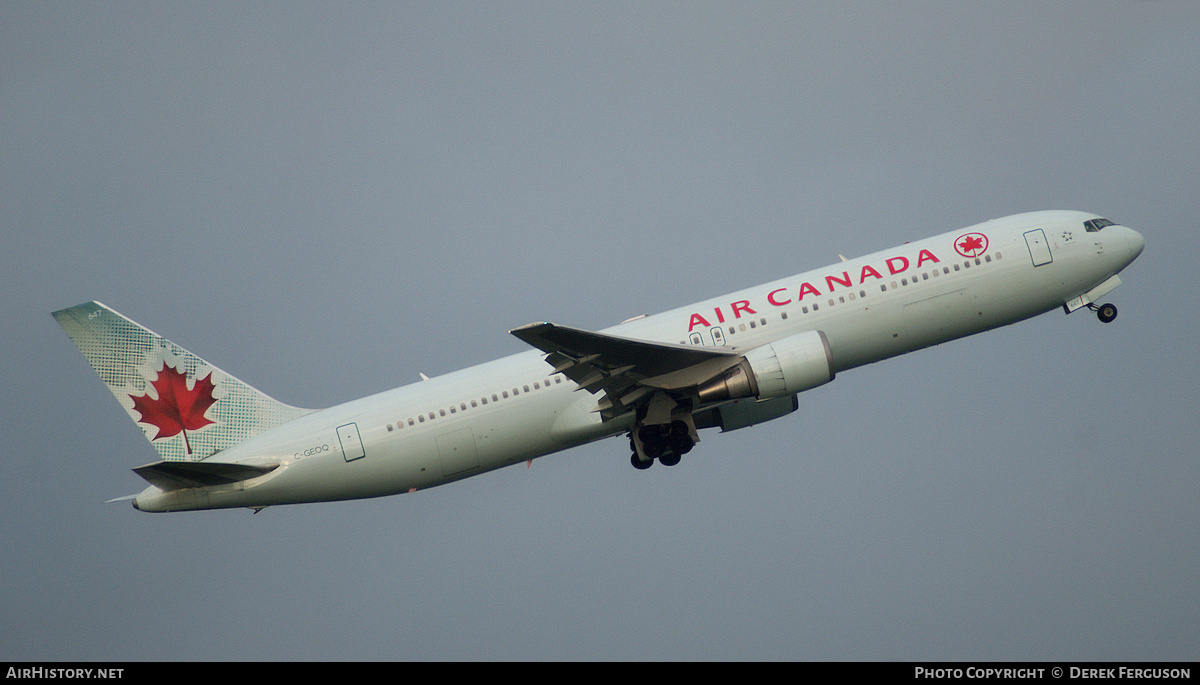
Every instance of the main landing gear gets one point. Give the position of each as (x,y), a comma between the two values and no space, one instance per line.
(665,430)
(1105,312)
(666,442)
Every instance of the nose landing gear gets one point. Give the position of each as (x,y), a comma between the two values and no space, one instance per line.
(1105,312)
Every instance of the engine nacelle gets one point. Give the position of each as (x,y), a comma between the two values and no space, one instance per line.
(785,367)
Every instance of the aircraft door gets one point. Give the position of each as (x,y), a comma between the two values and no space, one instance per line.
(457,451)
(1039,247)
(351,442)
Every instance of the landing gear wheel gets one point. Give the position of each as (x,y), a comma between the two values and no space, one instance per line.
(654,449)
(654,441)
(1106,313)
(639,464)
(669,459)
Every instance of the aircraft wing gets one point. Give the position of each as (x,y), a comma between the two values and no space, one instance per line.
(626,370)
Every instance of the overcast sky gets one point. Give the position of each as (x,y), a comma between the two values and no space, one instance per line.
(328,199)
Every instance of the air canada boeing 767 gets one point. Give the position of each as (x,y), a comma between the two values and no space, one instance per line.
(728,362)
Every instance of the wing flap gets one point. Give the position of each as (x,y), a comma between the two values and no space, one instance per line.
(626,370)
(649,358)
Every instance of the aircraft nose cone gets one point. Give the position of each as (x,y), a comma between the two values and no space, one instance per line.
(1136,243)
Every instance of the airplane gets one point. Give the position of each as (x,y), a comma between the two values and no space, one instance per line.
(728,362)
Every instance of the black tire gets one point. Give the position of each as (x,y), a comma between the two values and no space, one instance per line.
(655,449)
(1106,313)
(681,444)
(639,464)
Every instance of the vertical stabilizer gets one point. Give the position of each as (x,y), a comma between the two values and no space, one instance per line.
(187,408)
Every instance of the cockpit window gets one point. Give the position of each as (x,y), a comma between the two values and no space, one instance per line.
(1096,224)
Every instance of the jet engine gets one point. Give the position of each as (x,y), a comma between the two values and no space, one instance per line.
(785,367)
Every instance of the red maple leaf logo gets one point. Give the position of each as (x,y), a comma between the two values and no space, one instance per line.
(971,244)
(177,409)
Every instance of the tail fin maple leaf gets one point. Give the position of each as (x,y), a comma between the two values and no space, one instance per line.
(124,353)
(177,409)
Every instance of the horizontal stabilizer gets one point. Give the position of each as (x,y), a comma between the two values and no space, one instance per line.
(174,475)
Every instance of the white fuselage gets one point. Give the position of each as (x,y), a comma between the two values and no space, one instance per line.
(515,409)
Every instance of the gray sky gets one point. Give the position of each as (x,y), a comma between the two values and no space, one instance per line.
(327,199)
